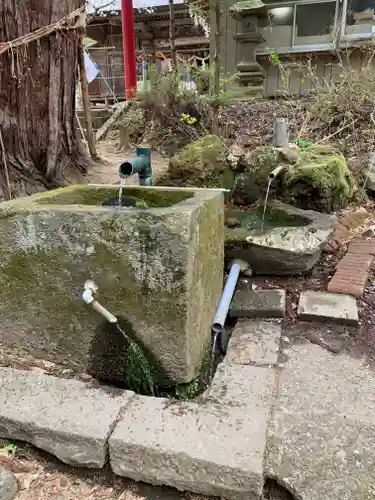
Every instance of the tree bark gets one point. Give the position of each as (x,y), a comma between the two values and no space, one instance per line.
(216,76)
(37,97)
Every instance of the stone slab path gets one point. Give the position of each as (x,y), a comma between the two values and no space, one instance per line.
(299,414)
(321,438)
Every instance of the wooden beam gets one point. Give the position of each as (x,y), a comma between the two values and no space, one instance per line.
(106,127)
(86,101)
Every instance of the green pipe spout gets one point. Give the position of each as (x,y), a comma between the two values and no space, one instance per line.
(141,165)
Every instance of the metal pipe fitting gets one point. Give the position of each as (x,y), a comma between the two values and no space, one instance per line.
(276,172)
(140,165)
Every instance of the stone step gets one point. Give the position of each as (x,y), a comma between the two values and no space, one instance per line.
(214,448)
(64,417)
(248,303)
(321,306)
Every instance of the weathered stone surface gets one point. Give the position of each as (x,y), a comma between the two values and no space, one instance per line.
(321,441)
(328,306)
(63,417)
(248,303)
(8,485)
(254,342)
(159,270)
(282,250)
(215,448)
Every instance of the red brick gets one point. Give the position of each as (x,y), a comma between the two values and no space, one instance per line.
(361,246)
(343,286)
(350,280)
(356,260)
(352,270)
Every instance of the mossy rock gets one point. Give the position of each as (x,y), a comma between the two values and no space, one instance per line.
(322,182)
(252,183)
(201,164)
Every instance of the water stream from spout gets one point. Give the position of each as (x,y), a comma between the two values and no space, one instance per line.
(121,188)
(139,367)
(265,202)
(213,352)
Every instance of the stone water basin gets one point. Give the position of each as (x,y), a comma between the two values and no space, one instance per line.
(290,243)
(158,263)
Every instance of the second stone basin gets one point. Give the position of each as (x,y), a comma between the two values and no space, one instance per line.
(290,243)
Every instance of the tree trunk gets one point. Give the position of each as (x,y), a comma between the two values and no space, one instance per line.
(172,35)
(37,97)
(216,76)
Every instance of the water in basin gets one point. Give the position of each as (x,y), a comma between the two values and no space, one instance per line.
(252,218)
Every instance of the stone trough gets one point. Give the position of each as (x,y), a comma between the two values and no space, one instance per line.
(158,265)
(291,242)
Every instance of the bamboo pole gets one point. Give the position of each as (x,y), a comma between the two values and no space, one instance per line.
(86,101)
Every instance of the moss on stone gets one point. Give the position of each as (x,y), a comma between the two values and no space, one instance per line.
(201,163)
(320,181)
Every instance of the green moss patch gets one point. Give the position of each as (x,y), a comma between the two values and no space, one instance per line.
(202,164)
(320,181)
(116,357)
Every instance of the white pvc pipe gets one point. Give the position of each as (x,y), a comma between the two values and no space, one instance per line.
(88,296)
(226,298)
(104,312)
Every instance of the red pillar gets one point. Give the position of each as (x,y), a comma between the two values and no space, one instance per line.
(128,38)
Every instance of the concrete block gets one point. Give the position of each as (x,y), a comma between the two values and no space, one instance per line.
(63,417)
(248,303)
(254,342)
(328,306)
(213,449)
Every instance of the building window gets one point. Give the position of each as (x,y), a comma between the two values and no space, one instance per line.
(359,18)
(282,16)
(315,19)
(297,24)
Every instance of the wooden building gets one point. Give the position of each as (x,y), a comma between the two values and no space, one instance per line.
(152,42)
(298,48)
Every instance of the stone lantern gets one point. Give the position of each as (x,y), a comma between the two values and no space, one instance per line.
(252,16)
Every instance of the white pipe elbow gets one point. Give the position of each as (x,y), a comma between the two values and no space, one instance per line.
(87,296)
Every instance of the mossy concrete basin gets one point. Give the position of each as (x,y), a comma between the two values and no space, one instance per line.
(158,265)
(290,243)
